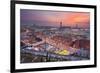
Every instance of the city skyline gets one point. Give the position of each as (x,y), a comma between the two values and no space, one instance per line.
(53,18)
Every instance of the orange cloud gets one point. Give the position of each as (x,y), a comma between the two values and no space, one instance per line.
(69,18)
(74,18)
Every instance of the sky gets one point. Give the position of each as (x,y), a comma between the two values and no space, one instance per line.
(53,18)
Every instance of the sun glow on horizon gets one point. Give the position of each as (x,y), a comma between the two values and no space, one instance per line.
(54,17)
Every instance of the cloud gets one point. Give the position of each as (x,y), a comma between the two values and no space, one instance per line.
(67,18)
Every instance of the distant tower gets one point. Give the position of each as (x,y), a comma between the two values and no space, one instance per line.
(60,24)
(60,28)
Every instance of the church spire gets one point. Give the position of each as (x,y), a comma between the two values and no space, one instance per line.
(60,24)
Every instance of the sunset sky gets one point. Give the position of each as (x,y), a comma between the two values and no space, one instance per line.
(53,18)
